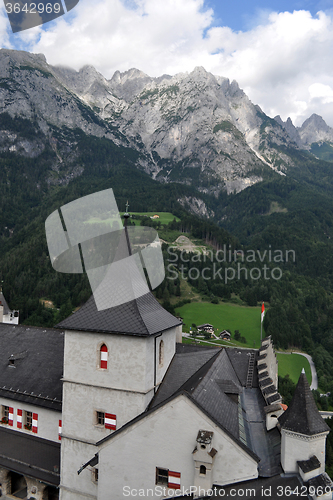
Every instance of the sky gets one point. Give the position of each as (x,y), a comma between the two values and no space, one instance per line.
(280,52)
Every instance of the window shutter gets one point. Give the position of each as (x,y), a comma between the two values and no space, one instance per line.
(19,419)
(110,421)
(60,429)
(174,480)
(104,357)
(10,416)
(34,422)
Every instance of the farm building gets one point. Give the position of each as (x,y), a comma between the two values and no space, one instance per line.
(225,335)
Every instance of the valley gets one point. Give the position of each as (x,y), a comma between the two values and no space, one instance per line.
(194,150)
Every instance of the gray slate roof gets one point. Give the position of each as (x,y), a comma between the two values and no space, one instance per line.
(309,465)
(210,396)
(31,364)
(260,489)
(302,415)
(141,317)
(211,378)
(30,455)
(182,368)
(239,359)
(272,399)
(320,482)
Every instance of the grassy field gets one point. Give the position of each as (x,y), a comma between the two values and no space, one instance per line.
(292,365)
(164,217)
(233,317)
(224,316)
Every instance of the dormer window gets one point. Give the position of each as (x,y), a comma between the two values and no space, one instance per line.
(103,357)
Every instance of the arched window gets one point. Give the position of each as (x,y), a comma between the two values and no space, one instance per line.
(202,470)
(104,357)
(161,353)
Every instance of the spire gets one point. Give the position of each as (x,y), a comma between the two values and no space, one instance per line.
(126,217)
(126,214)
(3,303)
(302,415)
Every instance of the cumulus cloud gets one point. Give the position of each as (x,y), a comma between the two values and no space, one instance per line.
(4,33)
(283,62)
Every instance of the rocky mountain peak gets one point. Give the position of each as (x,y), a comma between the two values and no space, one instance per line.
(195,128)
(129,83)
(79,81)
(315,129)
(290,128)
(315,121)
(131,74)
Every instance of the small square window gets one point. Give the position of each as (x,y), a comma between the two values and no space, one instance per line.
(100,418)
(28,420)
(5,414)
(162,476)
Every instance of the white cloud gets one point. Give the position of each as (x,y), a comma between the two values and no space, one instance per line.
(277,63)
(4,36)
(283,63)
(321,91)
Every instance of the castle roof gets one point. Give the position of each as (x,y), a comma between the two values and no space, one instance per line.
(210,379)
(302,415)
(141,317)
(31,364)
(214,377)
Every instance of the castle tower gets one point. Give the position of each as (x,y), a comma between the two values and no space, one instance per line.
(114,360)
(6,315)
(303,431)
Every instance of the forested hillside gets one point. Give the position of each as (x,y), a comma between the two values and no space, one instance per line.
(282,214)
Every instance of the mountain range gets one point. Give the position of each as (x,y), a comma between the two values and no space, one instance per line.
(193,142)
(193,128)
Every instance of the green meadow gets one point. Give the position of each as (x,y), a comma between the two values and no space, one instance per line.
(224,316)
(227,316)
(292,365)
(164,217)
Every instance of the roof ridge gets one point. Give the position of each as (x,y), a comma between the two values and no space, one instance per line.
(195,376)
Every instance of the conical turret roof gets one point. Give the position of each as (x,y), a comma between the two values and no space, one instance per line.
(4,304)
(302,415)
